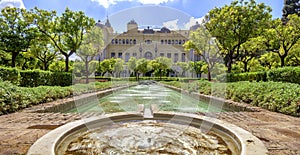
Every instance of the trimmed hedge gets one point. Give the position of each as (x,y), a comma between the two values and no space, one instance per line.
(251,76)
(285,74)
(14,98)
(34,78)
(274,96)
(10,74)
(61,79)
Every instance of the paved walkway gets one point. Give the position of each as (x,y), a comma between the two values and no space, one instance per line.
(280,133)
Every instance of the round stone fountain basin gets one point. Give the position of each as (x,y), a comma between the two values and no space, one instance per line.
(164,133)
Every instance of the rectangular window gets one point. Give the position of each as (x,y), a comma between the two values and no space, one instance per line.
(169,55)
(162,54)
(127,56)
(113,54)
(120,55)
(183,57)
(175,57)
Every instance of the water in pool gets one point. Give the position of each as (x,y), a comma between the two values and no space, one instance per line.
(128,100)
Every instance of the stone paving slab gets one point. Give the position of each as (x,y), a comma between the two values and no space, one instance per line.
(280,133)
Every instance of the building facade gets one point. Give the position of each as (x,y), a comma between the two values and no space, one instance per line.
(145,43)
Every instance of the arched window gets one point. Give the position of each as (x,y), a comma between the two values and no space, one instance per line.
(179,42)
(116,41)
(130,41)
(169,41)
(120,41)
(148,55)
(162,41)
(134,41)
(166,41)
(127,41)
(176,42)
(172,42)
(112,41)
(123,41)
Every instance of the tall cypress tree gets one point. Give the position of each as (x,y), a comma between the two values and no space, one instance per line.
(290,7)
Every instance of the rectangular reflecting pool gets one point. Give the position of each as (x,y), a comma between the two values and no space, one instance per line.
(128,99)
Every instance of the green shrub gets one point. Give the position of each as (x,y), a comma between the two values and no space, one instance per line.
(274,96)
(8,97)
(250,76)
(10,74)
(60,79)
(34,78)
(14,98)
(285,74)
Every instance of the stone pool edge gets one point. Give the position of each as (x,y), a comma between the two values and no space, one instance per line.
(48,143)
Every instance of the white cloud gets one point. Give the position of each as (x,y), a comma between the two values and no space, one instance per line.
(107,3)
(12,3)
(173,24)
(192,22)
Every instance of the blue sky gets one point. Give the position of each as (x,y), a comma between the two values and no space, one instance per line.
(171,13)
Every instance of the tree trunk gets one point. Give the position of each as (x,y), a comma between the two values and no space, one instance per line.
(13,58)
(45,66)
(209,73)
(245,66)
(67,63)
(282,60)
(86,72)
(229,66)
(160,74)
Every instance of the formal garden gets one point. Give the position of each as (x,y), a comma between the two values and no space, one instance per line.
(255,57)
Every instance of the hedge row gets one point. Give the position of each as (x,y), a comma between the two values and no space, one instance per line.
(251,76)
(14,98)
(10,74)
(274,96)
(34,78)
(285,74)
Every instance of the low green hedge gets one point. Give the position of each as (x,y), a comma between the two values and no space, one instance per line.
(34,78)
(10,74)
(251,76)
(14,98)
(285,74)
(274,96)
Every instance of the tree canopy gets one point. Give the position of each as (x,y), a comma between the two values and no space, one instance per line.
(66,31)
(232,25)
(16,31)
(290,7)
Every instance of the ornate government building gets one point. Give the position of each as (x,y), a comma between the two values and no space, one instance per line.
(145,43)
